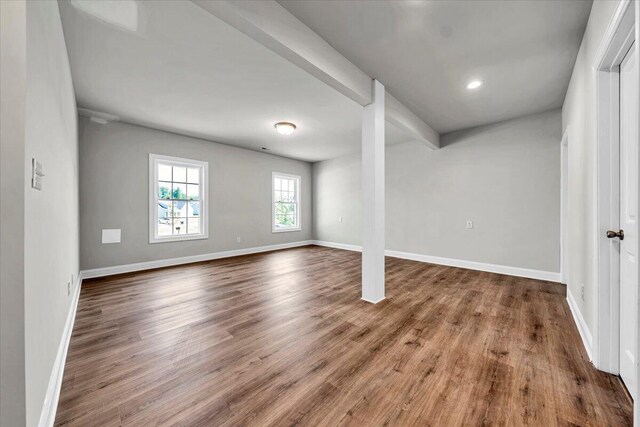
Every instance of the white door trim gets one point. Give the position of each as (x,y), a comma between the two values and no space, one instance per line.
(616,42)
(564,197)
(636,403)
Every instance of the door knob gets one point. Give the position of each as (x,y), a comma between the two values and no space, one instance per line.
(611,234)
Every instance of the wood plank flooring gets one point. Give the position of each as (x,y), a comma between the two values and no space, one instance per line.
(282,338)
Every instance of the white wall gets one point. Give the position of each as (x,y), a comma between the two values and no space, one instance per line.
(578,114)
(504,177)
(114,172)
(50,215)
(13,34)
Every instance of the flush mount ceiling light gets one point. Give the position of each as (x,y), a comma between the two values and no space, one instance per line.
(474,84)
(285,128)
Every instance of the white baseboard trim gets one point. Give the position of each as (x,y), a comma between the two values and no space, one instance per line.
(129,268)
(480,266)
(50,406)
(372,301)
(344,246)
(472,265)
(583,329)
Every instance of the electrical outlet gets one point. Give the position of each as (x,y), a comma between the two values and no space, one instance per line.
(469,224)
(582,291)
(238,239)
(339,219)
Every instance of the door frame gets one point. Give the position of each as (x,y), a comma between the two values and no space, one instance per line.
(564,208)
(619,36)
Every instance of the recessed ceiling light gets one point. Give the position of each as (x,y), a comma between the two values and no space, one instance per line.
(285,128)
(474,84)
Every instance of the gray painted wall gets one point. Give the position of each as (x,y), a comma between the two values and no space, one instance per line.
(578,114)
(504,177)
(50,215)
(114,193)
(337,192)
(13,76)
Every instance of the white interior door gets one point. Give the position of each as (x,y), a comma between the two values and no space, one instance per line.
(628,217)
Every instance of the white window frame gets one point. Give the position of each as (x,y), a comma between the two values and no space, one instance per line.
(298,181)
(154,161)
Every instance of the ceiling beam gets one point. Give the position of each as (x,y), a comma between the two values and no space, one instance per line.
(271,25)
(403,118)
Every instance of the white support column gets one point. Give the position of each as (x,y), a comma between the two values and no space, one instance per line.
(373,197)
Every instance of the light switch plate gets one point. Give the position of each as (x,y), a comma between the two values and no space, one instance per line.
(36,174)
(111,235)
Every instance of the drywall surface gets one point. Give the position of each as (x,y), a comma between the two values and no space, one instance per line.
(51,214)
(504,177)
(578,115)
(337,200)
(114,193)
(13,72)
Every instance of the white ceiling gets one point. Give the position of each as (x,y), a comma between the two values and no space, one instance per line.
(425,52)
(172,66)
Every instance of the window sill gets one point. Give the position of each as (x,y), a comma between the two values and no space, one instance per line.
(285,230)
(178,238)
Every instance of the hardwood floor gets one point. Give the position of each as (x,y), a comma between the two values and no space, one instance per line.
(283,338)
